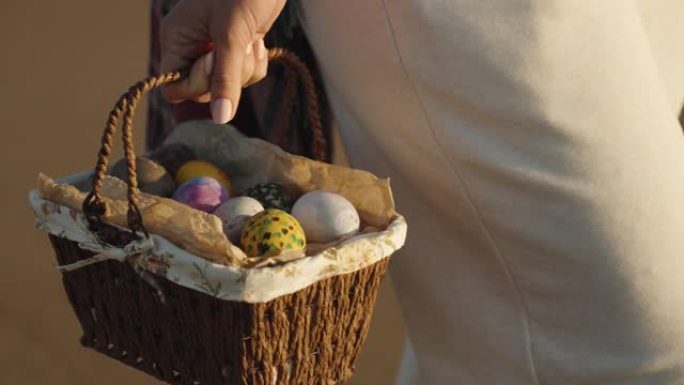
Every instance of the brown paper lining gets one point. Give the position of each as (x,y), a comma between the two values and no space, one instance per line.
(247,162)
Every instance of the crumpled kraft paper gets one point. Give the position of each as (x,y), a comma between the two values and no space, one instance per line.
(247,161)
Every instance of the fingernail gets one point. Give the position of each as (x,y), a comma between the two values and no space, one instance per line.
(250,48)
(261,50)
(221,110)
(209,62)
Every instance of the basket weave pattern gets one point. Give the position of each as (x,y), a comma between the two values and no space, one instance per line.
(309,337)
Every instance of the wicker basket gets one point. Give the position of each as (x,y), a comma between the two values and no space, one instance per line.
(312,336)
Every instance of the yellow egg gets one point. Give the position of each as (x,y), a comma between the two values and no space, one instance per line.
(271,232)
(195,168)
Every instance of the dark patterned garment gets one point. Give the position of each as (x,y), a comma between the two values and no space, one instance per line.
(261,109)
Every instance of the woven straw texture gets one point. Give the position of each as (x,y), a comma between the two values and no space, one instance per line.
(310,337)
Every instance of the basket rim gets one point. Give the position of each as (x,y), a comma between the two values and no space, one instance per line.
(247,284)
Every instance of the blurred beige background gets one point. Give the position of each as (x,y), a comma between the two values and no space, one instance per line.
(63,64)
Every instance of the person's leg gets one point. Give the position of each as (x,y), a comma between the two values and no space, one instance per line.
(534,149)
(662,22)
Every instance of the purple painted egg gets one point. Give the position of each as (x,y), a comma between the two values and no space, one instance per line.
(203,193)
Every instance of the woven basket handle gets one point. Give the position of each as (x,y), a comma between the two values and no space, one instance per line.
(124,110)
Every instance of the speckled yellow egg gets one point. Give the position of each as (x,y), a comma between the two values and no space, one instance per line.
(197,168)
(271,232)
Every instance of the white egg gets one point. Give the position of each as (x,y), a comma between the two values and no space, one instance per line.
(235,213)
(325,216)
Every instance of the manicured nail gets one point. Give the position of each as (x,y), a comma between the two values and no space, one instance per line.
(250,48)
(221,110)
(209,62)
(261,50)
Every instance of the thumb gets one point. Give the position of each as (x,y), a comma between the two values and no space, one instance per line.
(226,80)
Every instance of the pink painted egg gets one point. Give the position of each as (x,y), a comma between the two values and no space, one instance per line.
(203,193)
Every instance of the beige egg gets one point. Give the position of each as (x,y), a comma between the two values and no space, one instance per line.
(326,216)
(235,213)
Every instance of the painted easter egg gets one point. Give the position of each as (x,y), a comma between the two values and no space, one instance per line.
(326,216)
(197,168)
(271,195)
(203,193)
(172,156)
(271,232)
(235,213)
(152,177)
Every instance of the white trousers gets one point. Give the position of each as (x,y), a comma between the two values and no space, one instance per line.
(534,147)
